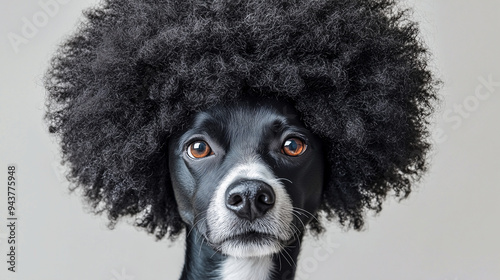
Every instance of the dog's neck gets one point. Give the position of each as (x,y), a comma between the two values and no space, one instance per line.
(202,262)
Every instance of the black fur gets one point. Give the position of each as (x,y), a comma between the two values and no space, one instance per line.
(246,133)
(136,71)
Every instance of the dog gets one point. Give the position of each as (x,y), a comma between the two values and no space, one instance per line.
(243,125)
(246,178)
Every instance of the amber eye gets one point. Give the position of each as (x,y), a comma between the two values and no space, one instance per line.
(199,149)
(293,147)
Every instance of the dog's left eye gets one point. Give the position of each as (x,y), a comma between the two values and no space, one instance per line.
(293,147)
(199,149)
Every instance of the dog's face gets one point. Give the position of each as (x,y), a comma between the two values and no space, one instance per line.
(247,177)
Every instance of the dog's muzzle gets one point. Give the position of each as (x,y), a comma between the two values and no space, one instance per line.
(251,213)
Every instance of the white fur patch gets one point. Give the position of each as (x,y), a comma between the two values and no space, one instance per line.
(224,224)
(255,268)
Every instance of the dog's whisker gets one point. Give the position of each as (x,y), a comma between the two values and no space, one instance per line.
(296,231)
(285,179)
(279,260)
(195,224)
(298,211)
(291,258)
(196,216)
(281,253)
(201,245)
(215,251)
(204,212)
(298,218)
(305,212)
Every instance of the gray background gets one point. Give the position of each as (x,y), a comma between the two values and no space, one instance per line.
(447,230)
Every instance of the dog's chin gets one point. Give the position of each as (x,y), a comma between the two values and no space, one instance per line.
(246,249)
(250,245)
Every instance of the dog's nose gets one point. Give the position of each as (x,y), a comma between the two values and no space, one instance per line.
(250,199)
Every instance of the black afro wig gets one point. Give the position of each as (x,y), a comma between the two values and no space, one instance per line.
(137,70)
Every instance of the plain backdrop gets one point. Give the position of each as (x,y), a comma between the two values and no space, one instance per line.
(448,229)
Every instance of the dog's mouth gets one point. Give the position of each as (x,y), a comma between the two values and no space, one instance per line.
(251,237)
(250,244)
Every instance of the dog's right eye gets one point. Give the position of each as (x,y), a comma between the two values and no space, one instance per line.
(199,149)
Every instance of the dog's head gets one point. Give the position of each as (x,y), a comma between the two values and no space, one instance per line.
(144,88)
(247,176)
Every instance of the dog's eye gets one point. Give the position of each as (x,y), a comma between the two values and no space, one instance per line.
(293,147)
(199,149)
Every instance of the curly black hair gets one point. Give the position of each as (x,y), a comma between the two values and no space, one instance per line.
(137,70)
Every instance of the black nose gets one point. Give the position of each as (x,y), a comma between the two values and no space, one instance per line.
(249,199)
